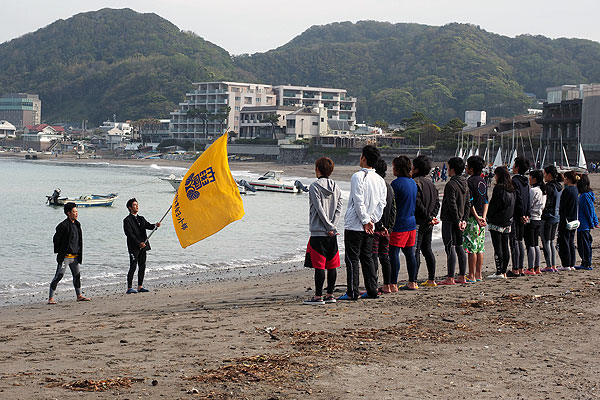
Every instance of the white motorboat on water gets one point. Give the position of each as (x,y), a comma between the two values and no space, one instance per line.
(93,200)
(174,181)
(273,182)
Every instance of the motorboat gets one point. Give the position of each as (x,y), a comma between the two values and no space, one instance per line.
(93,200)
(174,181)
(273,182)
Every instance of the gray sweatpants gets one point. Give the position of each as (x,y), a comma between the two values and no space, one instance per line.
(60,272)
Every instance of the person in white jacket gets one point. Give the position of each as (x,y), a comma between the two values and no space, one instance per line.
(537,200)
(365,207)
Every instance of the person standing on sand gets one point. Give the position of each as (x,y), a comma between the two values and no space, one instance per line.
(455,211)
(499,220)
(381,237)
(537,199)
(550,216)
(325,208)
(474,235)
(588,220)
(426,209)
(569,203)
(68,246)
(521,217)
(404,233)
(135,227)
(365,207)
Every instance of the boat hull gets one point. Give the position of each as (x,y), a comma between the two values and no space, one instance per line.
(274,187)
(87,201)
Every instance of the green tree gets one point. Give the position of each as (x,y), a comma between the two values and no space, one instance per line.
(272,119)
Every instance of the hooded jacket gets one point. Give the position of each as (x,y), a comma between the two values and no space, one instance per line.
(428,201)
(537,199)
(553,193)
(587,214)
(456,205)
(502,207)
(522,208)
(325,206)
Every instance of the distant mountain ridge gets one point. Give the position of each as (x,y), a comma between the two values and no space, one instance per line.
(106,62)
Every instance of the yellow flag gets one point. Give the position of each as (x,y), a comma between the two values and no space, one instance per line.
(208,198)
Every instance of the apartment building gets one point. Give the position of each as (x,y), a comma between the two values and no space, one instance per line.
(215,97)
(339,105)
(21,109)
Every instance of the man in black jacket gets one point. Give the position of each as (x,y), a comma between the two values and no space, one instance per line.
(135,227)
(520,217)
(68,246)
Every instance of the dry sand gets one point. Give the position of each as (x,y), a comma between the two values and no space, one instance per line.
(529,337)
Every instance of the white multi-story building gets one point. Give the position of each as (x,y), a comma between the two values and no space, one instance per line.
(474,119)
(339,105)
(215,97)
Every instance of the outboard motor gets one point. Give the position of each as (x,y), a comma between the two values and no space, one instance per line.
(246,185)
(52,200)
(300,186)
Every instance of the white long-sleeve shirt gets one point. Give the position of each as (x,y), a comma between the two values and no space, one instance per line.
(367,199)
(537,199)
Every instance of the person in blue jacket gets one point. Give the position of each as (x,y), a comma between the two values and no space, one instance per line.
(587,220)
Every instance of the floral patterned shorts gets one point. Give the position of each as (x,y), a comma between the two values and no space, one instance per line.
(473,237)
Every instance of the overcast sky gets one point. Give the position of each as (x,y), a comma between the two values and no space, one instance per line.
(258,25)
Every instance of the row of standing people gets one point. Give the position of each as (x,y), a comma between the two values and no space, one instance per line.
(382,220)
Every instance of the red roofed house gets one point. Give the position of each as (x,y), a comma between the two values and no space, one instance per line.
(40,137)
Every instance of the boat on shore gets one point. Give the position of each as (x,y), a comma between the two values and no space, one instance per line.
(93,200)
(273,182)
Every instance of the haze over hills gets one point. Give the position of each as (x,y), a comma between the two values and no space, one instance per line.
(106,62)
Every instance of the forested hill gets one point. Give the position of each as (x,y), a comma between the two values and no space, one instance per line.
(106,62)
(395,69)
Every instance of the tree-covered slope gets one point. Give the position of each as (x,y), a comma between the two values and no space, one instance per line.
(396,69)
(97,64)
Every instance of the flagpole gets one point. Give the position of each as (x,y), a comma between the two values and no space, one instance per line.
(155,227)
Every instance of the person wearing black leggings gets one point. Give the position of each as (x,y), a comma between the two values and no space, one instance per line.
(553,191)
(569,202)
(500,218)
(426,210)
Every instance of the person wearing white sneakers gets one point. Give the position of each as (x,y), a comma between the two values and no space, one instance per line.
(500,218)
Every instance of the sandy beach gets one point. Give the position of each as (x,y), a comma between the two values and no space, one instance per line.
(251,338)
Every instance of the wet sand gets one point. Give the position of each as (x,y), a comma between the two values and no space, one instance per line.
(523,338)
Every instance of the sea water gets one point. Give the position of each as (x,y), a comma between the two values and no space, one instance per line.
(274,229)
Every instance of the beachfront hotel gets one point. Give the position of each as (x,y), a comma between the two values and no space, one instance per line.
(216,96)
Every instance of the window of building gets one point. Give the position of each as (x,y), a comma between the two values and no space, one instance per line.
(291,123)
(236,118)
(247,100)
(238,98)
(258,99)
(322,119)
(237,108)
(315,123)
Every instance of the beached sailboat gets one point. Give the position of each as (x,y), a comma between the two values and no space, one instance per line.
(498,160)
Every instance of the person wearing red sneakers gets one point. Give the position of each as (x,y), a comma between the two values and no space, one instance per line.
(404,232)
(537,199)
(550,216)
(455,211)
(500,218)
(474,235)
